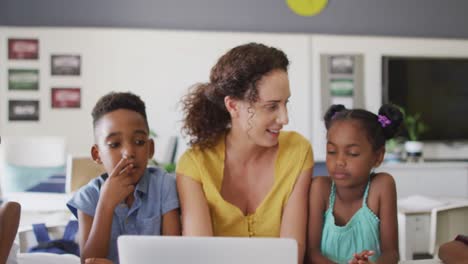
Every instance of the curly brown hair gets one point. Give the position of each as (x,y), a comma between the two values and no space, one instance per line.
(236,75)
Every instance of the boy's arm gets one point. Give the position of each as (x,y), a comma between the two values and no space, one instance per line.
(388,219)
(196,219)
(95,232)
(171,223)
(317,207)
(294,220)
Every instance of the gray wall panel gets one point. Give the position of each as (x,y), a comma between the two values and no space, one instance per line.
(420,18)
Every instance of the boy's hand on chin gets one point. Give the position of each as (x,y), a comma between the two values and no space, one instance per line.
(118,186)
(98,261)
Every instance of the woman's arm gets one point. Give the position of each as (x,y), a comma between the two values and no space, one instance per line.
(171,223)
(319,192)
(385,185)
(196,219)
(294,221)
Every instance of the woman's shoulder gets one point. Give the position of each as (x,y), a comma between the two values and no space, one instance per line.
(196,152)
(293,142)
(295,150)
(191,155)
(293,137)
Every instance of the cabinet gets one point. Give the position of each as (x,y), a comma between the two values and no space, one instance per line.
(444,181)
(434,179)
(413,233)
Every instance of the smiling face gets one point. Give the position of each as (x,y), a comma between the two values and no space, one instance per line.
(263,119)
(350,156)
(123,133)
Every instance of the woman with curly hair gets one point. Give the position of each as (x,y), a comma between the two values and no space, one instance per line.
(243,175)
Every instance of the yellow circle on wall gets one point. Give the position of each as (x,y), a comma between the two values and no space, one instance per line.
(306,7)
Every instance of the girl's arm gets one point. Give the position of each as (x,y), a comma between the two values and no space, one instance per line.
(294,221)
(9,221)
(388,218)
(196,219)
(171,223)
(319,192)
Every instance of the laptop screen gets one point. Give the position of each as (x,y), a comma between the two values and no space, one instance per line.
(205,250)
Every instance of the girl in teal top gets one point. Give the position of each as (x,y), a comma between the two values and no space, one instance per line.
(353,216)
(364,224)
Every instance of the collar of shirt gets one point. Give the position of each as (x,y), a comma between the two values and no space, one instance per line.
(142,185)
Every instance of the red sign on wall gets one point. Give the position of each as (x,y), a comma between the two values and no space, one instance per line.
(23,49)
(66,98)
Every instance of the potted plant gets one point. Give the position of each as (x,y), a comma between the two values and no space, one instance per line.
(414,126)
(169,167)
(394,149)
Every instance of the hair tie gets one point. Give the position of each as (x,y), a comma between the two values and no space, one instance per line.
(334,115)
(383,120)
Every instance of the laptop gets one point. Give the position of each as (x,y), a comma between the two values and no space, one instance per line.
(205,250)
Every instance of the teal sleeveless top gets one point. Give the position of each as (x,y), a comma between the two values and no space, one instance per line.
(362,232)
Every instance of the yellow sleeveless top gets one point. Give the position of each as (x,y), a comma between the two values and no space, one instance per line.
(207,166)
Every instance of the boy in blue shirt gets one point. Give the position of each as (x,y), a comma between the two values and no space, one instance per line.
(129,198)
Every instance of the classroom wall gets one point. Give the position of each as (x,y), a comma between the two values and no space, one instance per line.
(373,48)
(415,18)
(160,65)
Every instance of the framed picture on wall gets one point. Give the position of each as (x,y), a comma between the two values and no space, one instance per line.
(66,97)
(23,49)
(23,110)
(341,87)
(65,64)
(23,79)
(341,64)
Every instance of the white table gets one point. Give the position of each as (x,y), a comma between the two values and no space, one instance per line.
(414,226)
(38,207)
(422,261)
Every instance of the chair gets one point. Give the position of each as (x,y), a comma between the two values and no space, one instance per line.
(39,151)
(9,221)
(80,170)
(32,161)
(26,238)
(446,223)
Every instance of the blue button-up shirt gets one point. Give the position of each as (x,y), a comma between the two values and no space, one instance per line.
(155,194)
